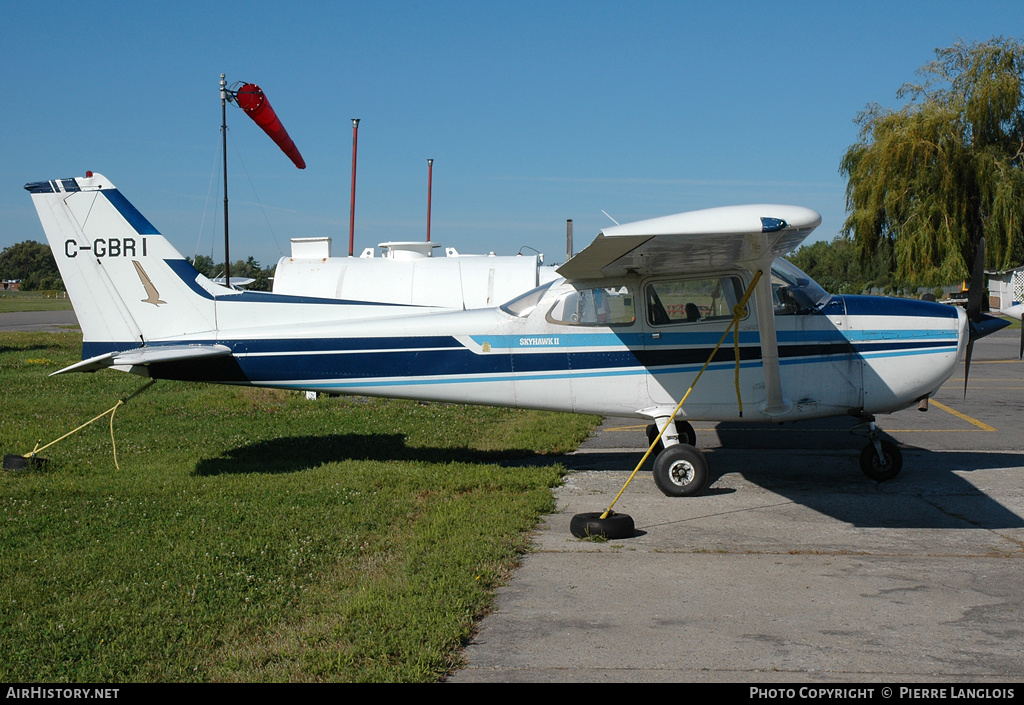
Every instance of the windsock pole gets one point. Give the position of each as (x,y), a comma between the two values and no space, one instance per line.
(253,102)
(352,202)
(430,182)
(224,145)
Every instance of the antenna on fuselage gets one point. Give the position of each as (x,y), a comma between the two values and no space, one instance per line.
(610,218)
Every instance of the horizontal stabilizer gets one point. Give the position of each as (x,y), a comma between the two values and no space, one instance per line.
(147,356)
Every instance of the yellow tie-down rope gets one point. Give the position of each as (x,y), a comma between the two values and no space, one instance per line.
(110,411)
(738,312)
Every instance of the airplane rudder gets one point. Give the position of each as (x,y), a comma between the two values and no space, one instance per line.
(97,305)
(115,263)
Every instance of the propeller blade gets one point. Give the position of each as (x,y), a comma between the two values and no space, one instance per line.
(967,359)
(976,291)
(1022,339)
(985,325)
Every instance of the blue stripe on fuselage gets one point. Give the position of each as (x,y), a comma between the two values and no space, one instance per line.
(350,359)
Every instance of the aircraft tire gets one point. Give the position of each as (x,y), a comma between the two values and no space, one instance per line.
(681,471)
(591,525)
(871,467)
(686,434)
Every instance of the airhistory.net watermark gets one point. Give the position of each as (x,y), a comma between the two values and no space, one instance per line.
(51,693)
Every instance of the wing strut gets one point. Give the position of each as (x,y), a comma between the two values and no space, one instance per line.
(775,403)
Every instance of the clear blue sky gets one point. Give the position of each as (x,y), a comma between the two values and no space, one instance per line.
(534,112)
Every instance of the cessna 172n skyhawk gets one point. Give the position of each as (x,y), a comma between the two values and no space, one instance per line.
(623,334)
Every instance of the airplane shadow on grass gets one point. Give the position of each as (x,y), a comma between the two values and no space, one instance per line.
(23,348)
(299,453)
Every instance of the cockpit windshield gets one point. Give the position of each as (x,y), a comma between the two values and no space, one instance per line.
(523,305)
(793,291)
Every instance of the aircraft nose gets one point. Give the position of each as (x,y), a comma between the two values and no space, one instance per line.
(970,331)
(963,333)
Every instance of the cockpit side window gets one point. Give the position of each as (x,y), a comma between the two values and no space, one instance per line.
(612,306)
(691,300)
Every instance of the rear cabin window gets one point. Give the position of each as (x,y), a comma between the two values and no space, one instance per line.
(594,307)
(692,300)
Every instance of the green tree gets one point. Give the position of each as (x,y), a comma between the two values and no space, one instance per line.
(251,269)
(204,265)
(248,268)
(836,266)
(934,177)
(33,264)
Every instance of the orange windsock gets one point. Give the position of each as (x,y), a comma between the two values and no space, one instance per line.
(253,101)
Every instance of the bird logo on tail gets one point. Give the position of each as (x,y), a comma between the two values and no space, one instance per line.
(152,295)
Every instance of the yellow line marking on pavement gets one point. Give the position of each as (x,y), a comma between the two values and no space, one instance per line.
(625,428)
(981,379)
(999,387)
(980,424)
(774,429)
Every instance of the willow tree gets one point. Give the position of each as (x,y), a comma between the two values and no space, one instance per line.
(947,169)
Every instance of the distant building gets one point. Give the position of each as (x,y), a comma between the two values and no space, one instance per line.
(1006,288)
(12,284)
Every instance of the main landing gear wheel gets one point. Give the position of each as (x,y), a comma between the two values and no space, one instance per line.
(681,471)
(684,428)
(591,525)
(881,468)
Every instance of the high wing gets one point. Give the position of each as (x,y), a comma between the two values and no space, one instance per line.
(750,236)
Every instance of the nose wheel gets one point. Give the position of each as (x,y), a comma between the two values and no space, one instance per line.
(880,460)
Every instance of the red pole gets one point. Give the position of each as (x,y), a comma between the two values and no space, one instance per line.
(430,181)
(352,204)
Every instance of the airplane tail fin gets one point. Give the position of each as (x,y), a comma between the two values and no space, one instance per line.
(128,285)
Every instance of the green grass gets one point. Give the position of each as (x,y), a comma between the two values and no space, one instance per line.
(253,535)
(33,301)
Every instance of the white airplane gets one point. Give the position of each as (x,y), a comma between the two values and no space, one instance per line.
(236,282)
(1016,311)
(625,333)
